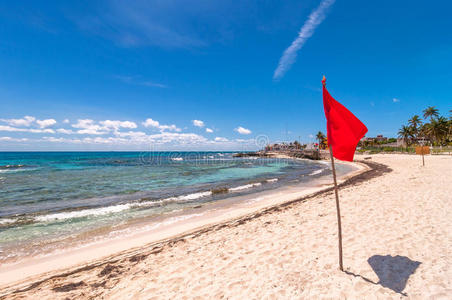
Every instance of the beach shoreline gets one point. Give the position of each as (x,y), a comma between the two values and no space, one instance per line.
(396,232)
(11,275)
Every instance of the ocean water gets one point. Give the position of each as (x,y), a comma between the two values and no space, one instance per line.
(49,198)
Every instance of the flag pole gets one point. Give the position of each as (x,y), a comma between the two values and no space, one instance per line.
(338,209)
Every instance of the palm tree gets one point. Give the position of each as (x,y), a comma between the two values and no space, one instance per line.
(406,133)
(415,123)
(430,112)
(438,130)
(321,137)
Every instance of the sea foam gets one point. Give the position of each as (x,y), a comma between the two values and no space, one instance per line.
(244,187)
(83,213)
(316,172)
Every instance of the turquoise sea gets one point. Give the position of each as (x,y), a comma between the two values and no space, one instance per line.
(50,197)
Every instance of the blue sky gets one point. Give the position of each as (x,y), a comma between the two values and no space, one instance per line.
(138,75)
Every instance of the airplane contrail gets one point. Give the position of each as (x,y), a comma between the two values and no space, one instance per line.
(290,54)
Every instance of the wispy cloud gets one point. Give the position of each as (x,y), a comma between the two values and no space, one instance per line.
(137,81)
(140,23)
(395,100)
(307,30)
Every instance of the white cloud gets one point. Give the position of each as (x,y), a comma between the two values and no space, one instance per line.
(180,138)
(198,123)
(151,123)
(242,130)
(65,131)
(306,31)
(132,134)
(46,123)
(395,100)
(169,127)
(66,121)
(87,126)
(10,139)
(137,138)
(55,140)
(156,124)
(47,130)
(311,136)
(91,131)
(25,121)
(221,139)
(208,130)
(32,130)
(11,129)
(118,124)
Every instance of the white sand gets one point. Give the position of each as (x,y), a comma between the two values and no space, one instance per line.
(397,225)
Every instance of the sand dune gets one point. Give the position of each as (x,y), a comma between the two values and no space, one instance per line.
(397,232)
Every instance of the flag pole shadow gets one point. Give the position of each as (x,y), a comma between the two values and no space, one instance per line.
(393,271)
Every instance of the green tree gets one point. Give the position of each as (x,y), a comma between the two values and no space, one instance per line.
(438,130)
(320,137)
(430,112)
(415,123)
(406,133)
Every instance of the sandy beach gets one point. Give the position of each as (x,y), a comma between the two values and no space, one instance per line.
(396,237)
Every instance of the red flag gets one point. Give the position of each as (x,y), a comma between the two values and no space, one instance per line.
(344,130)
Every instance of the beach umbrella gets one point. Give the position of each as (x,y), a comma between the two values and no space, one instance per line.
(344,131)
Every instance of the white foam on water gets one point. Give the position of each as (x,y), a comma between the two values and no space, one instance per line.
(7,221)
(177,158)
(190,196)
(17,170)
(316,172)
(121,207)
(244,187)
(182,198)
(83,213)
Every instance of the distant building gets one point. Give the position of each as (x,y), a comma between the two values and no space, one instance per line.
(283,147)
(378,138)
